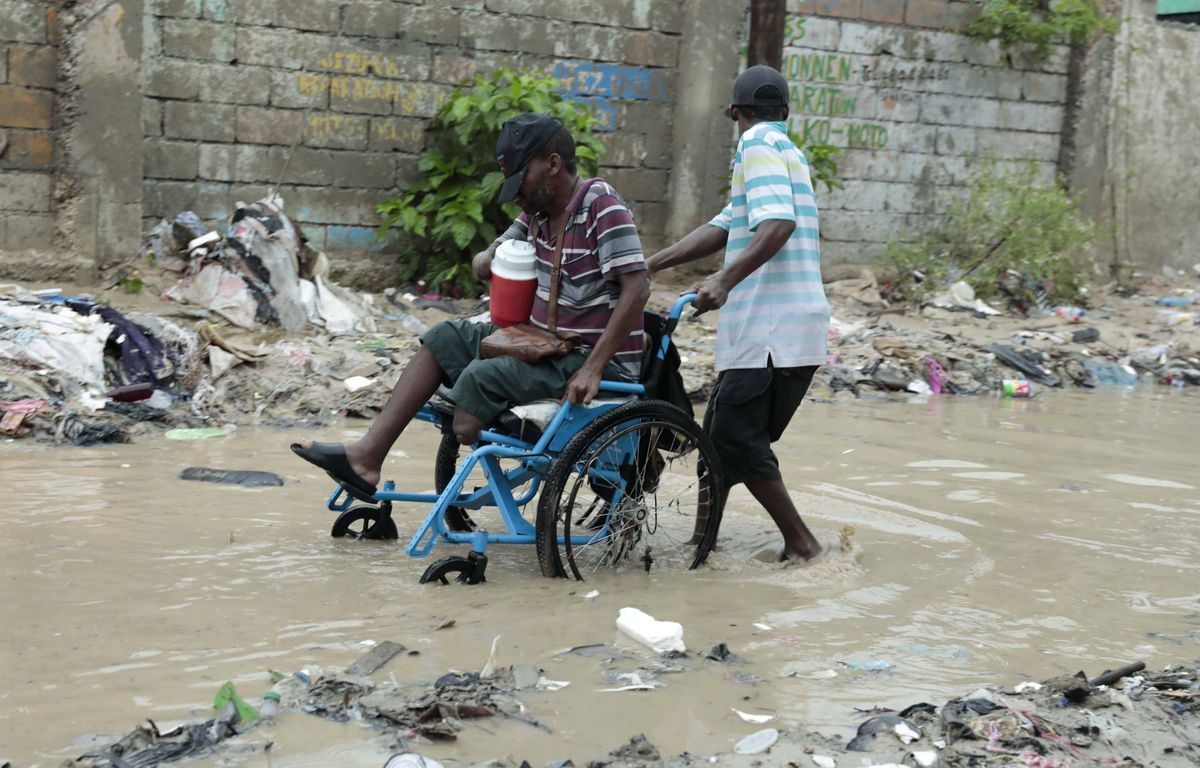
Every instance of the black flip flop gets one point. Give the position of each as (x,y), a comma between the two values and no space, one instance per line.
(331,457)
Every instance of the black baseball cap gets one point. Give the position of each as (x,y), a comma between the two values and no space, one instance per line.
(760,86)
(520,140)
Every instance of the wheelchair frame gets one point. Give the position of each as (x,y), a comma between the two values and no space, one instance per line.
(535,461)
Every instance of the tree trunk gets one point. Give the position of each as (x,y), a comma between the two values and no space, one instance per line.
(766,32)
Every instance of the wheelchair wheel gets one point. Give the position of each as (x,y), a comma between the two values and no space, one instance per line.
(635,489)
(365,523)
(444,466)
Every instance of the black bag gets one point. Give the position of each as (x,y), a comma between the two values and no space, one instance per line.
(661,378)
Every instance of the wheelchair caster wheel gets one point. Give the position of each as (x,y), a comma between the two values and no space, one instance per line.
(469,569)
(366,523)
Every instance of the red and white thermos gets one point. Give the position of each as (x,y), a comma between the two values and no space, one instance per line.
(514,282)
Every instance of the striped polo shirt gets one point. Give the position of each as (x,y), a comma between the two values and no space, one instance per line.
(601,242)
(779,311)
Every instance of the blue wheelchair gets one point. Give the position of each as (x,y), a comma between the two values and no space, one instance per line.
(628,482)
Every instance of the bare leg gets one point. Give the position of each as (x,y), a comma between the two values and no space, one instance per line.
(417,384)
(798,541)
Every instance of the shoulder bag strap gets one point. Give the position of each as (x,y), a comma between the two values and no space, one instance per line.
(556,268)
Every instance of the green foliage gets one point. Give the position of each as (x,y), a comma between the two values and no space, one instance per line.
(822,162)
(132,284)
(452,213)
(1041,23)
(1008,220)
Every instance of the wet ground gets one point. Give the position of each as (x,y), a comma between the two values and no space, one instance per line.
(995,541)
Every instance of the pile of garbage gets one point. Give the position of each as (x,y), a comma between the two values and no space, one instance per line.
(954,343)
(76,369)
(1125,716)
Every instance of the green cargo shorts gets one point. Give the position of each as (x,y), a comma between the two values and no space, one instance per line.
(487,388)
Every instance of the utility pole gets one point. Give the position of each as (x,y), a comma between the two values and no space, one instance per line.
(766,32)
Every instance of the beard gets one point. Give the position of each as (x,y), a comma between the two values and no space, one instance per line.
(542,197)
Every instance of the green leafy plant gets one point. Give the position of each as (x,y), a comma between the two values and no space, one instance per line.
(451,213)
(1012,232)
(1041,23)
(822,162)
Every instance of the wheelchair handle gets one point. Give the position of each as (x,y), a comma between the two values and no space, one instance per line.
(673,320)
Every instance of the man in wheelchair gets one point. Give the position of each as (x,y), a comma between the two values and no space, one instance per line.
(601,297)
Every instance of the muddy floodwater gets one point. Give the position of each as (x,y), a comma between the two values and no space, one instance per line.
(993,541)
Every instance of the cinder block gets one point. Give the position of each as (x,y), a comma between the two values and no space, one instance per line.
(667,16)
(23,21)
(651,49)
(371,19)
(282,48)
(957,141)
(308,15)
(538,8)
(259,125)
(364,170)
(24,231)
(584,41)
(626,14)
(429,24)
(25,107)
(885,11)
(29,150)
(960,110)
(643,117)
(335,206)
(236,84)
(847,9)
(1019,145)
(201,122)
(375,59)
(452,67)
(623,150)
(245,163)
(506,33)
(396,134)
(169,159)
(1043,118)
(152,122)
(28,192)
(363,95)
(34,67)
(172,78)
(825,34)
(420,99)
(183,9)
(196,39)
(408,171)
(659,149)
(1037,86)
(804,7)
(335,131)
(210,201)
(299,90)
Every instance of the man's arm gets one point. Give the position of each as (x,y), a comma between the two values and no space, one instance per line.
(635,291)
(770,236)
(700,242)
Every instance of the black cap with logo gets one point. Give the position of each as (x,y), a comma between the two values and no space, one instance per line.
(760,86)
(520,140)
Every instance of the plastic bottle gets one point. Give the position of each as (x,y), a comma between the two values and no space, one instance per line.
(269,709)
(1175,301)
(660,636)
(514,282)
(1074,314)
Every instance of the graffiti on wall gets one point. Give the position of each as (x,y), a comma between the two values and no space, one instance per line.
(602,86)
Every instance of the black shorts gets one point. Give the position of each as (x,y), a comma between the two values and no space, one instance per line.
(749,409)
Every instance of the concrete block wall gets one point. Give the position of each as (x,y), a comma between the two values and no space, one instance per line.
(230,85)
(912,102)
(28,75)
